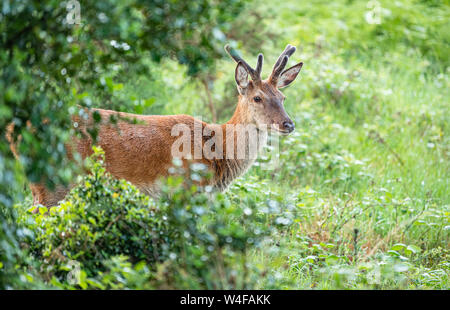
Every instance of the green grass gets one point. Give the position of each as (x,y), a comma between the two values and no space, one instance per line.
(370,153)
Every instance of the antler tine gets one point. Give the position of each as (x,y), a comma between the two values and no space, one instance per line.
(277,71)
(281,62)
(289,50)
(259,65)
(255,74)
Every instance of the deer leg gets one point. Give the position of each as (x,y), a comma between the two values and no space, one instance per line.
(46,197)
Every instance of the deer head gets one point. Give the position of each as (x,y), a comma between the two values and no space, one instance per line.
(261,100)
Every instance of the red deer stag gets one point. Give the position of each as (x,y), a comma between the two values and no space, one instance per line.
(143,152)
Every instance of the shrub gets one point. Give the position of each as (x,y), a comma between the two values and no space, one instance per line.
(101,217)
(190,238)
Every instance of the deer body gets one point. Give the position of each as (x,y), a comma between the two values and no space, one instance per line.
(142,153)
(147,149)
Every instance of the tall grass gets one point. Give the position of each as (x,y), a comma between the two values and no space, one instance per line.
(367,171)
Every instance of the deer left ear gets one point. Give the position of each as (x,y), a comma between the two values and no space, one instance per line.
(289,75)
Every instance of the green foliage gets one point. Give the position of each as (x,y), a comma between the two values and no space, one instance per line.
(215,234)
(8,256)
(102,217)
(369,154)
(185,240)
(49,67)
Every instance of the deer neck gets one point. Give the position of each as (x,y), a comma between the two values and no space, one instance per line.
(241,114)
(231,167)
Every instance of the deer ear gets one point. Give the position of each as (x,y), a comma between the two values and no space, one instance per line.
(289,75)
(241,76)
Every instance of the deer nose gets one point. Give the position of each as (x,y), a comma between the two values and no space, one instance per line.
(289,126)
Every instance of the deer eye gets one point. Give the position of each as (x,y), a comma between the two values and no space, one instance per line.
(257,99)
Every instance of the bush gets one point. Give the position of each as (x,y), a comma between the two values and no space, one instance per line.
(101,217)
(188,239)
